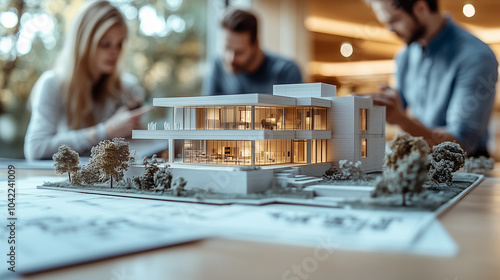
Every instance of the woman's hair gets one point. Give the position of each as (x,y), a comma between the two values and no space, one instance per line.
(76,63)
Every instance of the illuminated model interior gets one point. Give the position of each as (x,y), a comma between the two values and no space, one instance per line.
(302,125)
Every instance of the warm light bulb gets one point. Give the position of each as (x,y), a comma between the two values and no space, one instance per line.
(346,50)
(469,10)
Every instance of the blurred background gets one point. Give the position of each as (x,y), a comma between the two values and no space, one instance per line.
(171,43)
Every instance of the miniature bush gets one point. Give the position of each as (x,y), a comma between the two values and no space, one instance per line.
(350,170)
(478,165)
(248,168)
(347,170)
(112,158)
(446,158)
(89,174)
(332,173)
(147,180)
(154,177)
(163,179)
(66,160)
(179,186)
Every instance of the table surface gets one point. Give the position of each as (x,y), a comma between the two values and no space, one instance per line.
(474,224)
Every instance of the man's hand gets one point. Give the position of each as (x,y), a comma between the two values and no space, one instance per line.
(389,98)
(394,114)
(124,121)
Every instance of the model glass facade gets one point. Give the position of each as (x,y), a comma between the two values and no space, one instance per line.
(254,118)
(297,124)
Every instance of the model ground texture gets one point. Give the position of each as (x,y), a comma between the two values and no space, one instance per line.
(433,196)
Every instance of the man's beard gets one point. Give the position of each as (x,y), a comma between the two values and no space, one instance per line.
(417,33)
(245,68)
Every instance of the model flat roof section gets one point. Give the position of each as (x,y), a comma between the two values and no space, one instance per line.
(231,134)
(305,90)
(226,100)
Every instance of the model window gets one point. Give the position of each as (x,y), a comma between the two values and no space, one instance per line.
(363,121)
(363,148)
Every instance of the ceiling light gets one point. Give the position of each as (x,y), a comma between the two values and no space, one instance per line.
(346,50)
(469,10)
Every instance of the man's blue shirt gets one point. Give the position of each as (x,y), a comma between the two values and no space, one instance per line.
(450,84)
(273,71)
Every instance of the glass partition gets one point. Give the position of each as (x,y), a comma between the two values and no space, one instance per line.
(269,152)
(220,152)
(266,118)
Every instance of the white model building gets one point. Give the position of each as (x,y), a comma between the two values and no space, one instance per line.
(304,126)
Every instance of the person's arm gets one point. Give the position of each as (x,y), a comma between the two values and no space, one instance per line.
(468,111)
(42,137)
(396,115)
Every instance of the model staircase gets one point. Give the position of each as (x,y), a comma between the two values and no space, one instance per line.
(289,178)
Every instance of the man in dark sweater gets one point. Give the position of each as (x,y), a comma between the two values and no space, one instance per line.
(244,67)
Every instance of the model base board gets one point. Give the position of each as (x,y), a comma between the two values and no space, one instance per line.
(350,195)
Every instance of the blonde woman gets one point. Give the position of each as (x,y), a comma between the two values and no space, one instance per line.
(85,98)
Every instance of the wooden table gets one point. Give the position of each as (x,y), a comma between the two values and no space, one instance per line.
(474,224)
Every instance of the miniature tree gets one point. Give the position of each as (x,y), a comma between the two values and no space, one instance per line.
(405,167)
(402,145)
(408,178)
(111,157)
(445,159)
(66,160)
(179,186)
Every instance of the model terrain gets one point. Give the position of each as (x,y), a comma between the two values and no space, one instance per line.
(414,178)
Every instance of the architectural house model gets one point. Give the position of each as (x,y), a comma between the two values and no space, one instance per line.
(301,126)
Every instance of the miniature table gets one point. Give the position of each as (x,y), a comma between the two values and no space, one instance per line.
(474,224)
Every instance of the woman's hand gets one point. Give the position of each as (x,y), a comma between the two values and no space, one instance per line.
(124,121)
